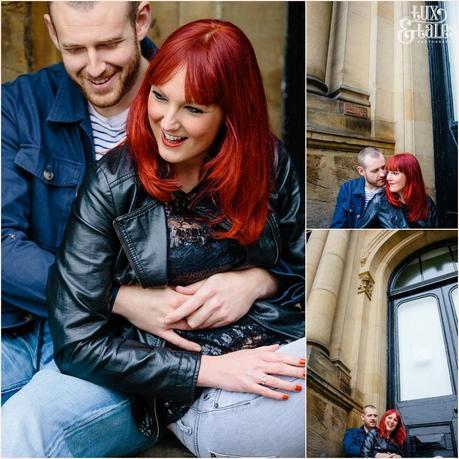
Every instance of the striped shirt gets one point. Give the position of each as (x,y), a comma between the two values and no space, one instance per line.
(370,193)
(107,133)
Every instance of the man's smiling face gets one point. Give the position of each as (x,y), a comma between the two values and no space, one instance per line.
(99,50)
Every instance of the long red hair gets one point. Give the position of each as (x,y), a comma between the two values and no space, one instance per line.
(398,435)
(414,192)
(221,69)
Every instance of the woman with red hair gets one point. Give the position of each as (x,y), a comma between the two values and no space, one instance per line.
(388,439)
(201,188)
(405,203)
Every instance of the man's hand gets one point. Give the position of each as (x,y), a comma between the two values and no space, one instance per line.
(146,309)
(223,298)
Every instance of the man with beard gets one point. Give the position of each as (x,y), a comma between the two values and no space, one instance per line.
(354,438)
(55,123)
(354,195)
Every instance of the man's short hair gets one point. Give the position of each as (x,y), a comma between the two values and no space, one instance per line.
(367,152)
(368,406)
(132,8)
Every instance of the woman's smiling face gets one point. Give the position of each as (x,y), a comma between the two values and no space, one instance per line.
(183,130)
(396,181)
(391,422)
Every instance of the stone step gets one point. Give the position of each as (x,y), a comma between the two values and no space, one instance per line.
(169,446)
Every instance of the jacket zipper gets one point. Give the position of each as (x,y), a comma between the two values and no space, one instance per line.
(163,344)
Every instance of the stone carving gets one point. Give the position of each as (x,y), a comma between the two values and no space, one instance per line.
(366,284)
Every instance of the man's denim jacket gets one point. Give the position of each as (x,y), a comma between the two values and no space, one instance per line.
(46,146)
(350,204)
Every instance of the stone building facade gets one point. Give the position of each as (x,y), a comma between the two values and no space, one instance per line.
(349,331)
(364,88)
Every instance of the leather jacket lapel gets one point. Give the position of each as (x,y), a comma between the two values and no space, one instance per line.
(143,236)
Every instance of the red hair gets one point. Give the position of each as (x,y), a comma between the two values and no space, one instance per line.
(398,435)
(414,191)
(221,69)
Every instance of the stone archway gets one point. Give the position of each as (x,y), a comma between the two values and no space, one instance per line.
(380,257)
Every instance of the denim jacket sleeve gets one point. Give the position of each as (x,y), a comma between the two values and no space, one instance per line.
(25,264)
(339,219)
(79,297)
(351,443)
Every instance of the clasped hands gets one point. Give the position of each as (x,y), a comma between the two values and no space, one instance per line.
(217,301)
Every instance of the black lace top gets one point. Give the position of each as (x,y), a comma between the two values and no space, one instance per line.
(194,255)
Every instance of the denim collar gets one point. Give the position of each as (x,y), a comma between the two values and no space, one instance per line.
(69,105)
(360,188)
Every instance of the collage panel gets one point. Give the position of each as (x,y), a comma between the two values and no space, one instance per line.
(381,81)
(153,229)
(382,343)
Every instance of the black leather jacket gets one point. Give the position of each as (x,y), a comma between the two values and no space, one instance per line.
(117,235)
(374,443)
(380,214)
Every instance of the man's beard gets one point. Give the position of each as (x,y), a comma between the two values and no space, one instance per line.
(127,78)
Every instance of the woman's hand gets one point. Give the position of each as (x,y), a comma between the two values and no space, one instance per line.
(252,371)
(146,309)
(223,298)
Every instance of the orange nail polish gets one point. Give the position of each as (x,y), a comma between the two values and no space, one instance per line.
(302,362)
(284,397)
(298,388)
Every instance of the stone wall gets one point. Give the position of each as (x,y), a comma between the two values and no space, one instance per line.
(27,47)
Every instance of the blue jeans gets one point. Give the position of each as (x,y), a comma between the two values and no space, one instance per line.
(24,352)
(48,414)
(56,415)
(236,424)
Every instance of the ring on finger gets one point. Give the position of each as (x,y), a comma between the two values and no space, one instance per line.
(263,380)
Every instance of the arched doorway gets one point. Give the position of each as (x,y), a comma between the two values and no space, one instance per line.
(422,343)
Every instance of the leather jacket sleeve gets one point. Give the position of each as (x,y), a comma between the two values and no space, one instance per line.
(380,214)
(289,208)
(79,297)
(369,445)
(285,312)
(432,219)
(290,211)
